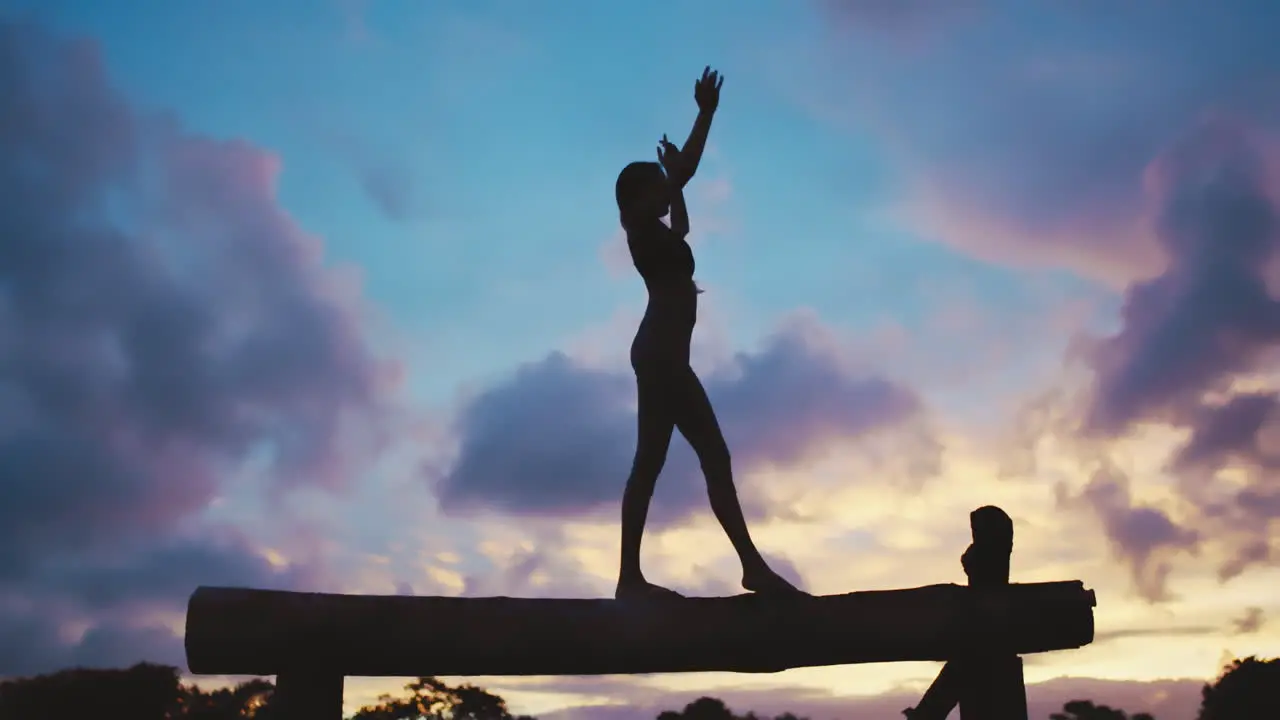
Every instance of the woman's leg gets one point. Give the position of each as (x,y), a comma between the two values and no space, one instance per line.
(654,422)
(696,419)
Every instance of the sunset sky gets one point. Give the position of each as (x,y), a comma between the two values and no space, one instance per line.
(331,295)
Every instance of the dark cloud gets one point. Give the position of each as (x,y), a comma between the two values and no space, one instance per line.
(547,440)
(1250,622)
(1228,431)
(1145,538)
(153,576)
(162,321)
(1188,335)
(557,438)
(1210,315)
(33,642)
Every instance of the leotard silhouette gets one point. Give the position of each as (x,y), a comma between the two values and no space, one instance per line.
(670,394)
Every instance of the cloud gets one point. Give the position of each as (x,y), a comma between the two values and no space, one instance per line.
(169,570)
(1192,354)
(1251,621)
(1231,429)
(1023,138)
(1209,315)
(163,322)
(543,568)
(1154,632)
(1141,536)
(117,611)
(1190,335)
(33,642)
(557,438)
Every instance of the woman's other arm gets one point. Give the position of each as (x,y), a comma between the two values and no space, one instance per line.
(676,165)
(679,213)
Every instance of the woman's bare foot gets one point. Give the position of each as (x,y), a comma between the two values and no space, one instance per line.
(643,589)
(762,579)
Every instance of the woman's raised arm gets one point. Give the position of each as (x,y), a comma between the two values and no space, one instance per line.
(706,91)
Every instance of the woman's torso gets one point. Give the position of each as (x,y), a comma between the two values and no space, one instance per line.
(665,262)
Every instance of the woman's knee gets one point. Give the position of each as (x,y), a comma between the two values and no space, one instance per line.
(651,451)
(646,467)
(714,458)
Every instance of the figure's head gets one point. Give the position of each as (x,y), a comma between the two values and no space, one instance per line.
(641,191)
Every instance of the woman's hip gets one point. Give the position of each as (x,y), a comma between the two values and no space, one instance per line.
(657,357)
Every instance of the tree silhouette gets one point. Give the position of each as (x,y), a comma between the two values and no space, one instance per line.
(709,708)
(704,708)
(142,692)
(1248,689)
(1086,710)
(153,692)
(1244,691)
(250,699)
(431,699)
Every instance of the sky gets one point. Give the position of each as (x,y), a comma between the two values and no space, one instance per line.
(331,296)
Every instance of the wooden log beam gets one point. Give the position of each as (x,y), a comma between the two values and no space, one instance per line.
(238,631)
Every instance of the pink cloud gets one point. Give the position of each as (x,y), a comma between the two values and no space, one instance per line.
(162,320)
(1024,137)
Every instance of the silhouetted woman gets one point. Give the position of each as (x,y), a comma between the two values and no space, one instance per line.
(670,394)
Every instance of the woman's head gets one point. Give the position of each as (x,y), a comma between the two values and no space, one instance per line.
(641,192)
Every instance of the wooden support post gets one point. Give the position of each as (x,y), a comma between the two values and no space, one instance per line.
(308,695)
(941,697)
(988,685)
(993,688)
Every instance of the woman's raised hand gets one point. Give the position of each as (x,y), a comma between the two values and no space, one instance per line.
(673,162)
(706,91)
